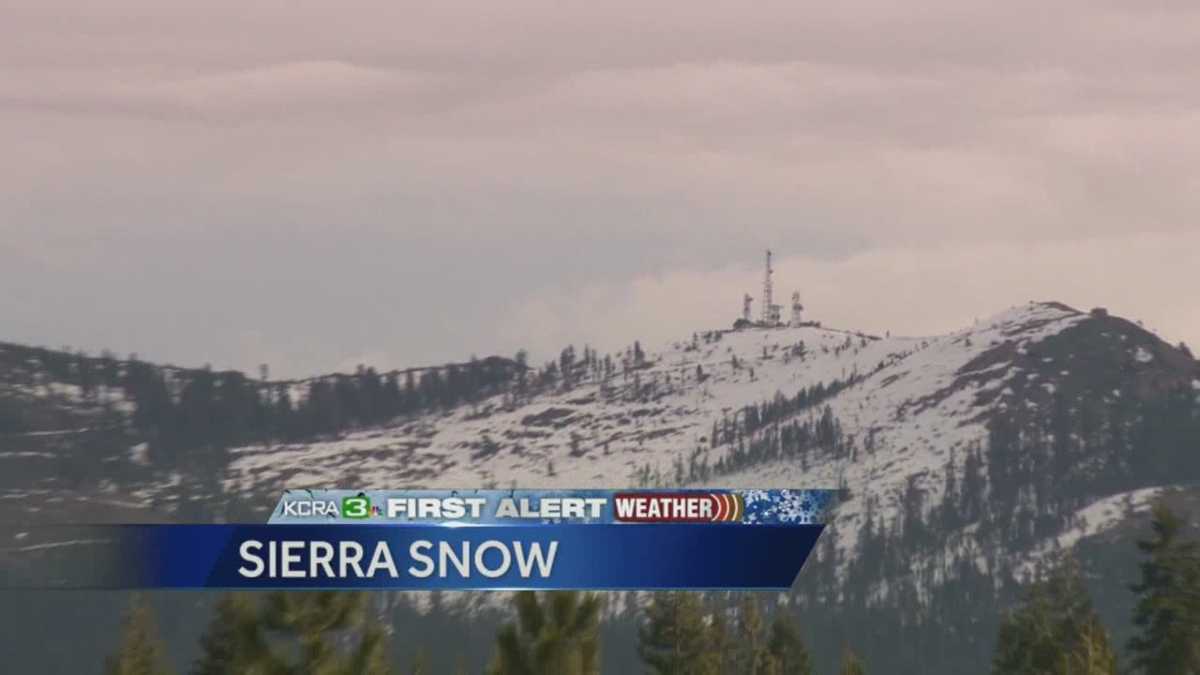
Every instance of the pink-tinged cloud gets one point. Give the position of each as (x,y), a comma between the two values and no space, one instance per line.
(417,182)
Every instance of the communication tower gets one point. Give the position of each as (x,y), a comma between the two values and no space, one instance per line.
(767,288)
(770,311)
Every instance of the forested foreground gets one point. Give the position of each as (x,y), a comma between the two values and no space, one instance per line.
(1053,630)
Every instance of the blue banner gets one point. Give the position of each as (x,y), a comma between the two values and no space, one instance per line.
(505,507)
(425,557)
(449,540)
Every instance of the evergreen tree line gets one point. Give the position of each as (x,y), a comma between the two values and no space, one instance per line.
(186,409)
(933,612)
(796,440)
(949,569)
(1055,631)
(1023,487)
(1042,469)
(770,431)
(753,418)
(202,408)
(297,633)
(685,633)
(799,440)
(552,633)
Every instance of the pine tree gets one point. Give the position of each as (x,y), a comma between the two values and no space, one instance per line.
(232,640)
(557,634)
(720,643)
(974,487)
(420,663)
(1055,631)
(1093,654)
(1167,614)
(674,638)
(751,655)
(141,651)
(948,512)
(787,648)
(371,655)
(851,664)
(310,624)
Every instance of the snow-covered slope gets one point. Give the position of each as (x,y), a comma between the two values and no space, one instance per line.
(911,402)
(906,406)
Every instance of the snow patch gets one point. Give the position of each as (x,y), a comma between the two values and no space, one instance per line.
(1095,518)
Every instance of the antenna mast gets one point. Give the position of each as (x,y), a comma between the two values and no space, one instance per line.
(767,298)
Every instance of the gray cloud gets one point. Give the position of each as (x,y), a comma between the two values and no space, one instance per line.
(310,185)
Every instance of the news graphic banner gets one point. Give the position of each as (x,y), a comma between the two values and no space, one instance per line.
(449,540)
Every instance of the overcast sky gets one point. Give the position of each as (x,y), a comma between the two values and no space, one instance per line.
(318,184)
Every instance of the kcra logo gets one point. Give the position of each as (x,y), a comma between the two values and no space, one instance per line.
(357,507)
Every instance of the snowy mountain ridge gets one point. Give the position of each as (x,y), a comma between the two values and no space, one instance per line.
(912,403)
(882,417)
